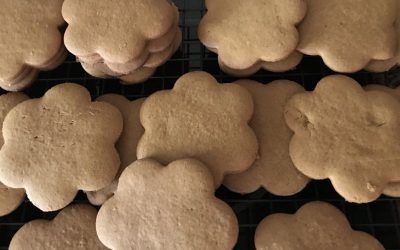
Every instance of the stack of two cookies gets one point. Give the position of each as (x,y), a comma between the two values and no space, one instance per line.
(126,40)
(249,36)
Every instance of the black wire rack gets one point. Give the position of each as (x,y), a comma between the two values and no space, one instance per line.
(380,218)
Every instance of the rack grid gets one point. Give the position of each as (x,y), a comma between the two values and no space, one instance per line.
(380,218)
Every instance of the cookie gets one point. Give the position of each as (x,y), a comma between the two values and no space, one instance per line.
(59,144)
(154,46)
(38,22)
(73,228)
(351,135)
(117,31)
(286,64)
(392,189)
(316,225)
(202,119)
(349,34)
(246,32)
(10,198)
(126,144)
(273,169)
(166,207)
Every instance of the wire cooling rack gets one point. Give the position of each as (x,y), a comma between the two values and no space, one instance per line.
(380,218)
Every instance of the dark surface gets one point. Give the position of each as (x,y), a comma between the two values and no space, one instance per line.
(380,218)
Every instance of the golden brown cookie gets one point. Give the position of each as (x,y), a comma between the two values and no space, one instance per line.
(73,228)
(166,207)
(10,198)
(273,169)
(126,144)
(30,38)
(348,34)
(117,31)
(316,225)
(246,32)
(351,137)
(202,119)
(59,144)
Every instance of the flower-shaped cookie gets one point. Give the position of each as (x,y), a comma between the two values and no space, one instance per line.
(202,119)
(118,31)
(348,135)
(166,207)
(30,36)
(59,144)
(244,33)
(348,34)
(316,225)
(73,228)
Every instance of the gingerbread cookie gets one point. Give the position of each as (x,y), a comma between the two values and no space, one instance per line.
(316,225)
(246,32)
(349,34)
(117,31)
(126,144)
(59,144)
(10,198)
(73,228)
(391,189)
(273,169)
(202,119)
(166,207)
(29,41)
(351,135)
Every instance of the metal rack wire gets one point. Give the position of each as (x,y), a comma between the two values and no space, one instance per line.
(380,218)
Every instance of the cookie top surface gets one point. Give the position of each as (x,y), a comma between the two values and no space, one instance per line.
(166,207)
(59,144)
(316,225)
(29,34)
(349,34)
(245,32)
(203,119)
(351,135)
(73,228)
(273,169)
(117,30)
